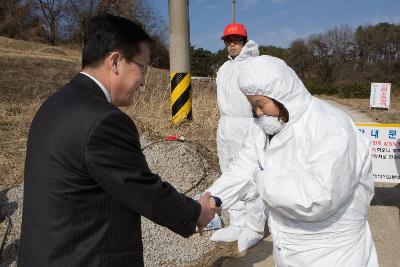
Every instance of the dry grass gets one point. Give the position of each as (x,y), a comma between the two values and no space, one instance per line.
(14,124)
(383,116)
(30,72)
(152,113)
(37,49)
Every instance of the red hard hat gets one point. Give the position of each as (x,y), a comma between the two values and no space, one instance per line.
(234,29)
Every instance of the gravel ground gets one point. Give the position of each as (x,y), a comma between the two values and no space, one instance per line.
(179,163)
(10,226)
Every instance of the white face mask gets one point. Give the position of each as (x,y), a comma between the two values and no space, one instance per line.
(270,125)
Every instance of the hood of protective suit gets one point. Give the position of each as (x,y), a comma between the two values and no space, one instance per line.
(271,77)
(250,49)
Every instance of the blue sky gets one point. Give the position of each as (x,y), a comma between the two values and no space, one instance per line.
(279,22)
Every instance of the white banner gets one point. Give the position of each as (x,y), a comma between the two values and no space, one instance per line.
(380,95)
(385,150)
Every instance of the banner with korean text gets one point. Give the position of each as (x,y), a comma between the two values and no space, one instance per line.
(385,150)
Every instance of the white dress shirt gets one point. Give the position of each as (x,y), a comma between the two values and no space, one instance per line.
(103,88)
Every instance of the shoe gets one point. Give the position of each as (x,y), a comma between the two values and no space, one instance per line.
(248,238)
(228,234)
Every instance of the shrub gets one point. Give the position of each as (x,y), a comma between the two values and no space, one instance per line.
(355,90)
(321,88)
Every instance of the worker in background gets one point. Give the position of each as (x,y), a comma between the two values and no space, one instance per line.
(235,120)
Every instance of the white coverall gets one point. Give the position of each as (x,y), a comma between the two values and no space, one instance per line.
(235,120)
(315,175)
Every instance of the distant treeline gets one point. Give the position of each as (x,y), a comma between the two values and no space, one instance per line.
(64,21)
(339,61)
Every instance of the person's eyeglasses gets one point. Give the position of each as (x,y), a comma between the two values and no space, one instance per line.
(141,66)
(144,68)
(234,41)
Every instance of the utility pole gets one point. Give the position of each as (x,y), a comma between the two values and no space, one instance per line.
(233,10)
(179,58)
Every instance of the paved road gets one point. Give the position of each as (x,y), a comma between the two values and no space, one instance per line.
(383,217)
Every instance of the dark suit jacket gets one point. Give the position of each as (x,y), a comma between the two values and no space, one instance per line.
(87,183)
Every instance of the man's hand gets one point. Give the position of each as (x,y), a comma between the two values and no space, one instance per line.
(207,210)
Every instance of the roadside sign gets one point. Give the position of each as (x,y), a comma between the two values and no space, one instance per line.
(380,95)
(385,150)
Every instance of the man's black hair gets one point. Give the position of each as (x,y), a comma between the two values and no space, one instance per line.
(108,33)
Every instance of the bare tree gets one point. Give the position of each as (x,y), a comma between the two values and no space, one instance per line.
(340,43)
(320,69)
(342,52)
(300,58)
(79,12)
(18,20)
(52,11)
(142,11)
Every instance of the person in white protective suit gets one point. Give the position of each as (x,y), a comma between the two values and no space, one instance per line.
(235,120)
(313,173)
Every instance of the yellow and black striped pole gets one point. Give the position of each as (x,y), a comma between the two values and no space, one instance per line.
(181,96)
(180,78)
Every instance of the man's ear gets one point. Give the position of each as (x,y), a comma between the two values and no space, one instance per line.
(113,61)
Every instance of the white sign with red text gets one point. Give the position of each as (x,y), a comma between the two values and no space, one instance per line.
(385,150)
(380,95)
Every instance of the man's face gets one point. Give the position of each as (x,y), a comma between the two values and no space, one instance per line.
(131,75)
(234,44)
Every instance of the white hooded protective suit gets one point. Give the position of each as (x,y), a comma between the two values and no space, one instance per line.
(314,175)
(235,110)
(235,120)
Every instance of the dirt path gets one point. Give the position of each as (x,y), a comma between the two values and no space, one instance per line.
(383,217)
(355,114)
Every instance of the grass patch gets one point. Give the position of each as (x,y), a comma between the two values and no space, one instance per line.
(152,113)
(30,74)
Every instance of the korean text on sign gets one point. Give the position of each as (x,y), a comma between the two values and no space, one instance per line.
(385,150)
(380,95)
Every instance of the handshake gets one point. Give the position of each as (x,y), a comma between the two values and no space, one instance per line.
(209,206)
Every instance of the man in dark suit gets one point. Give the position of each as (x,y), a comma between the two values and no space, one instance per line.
(87,182)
